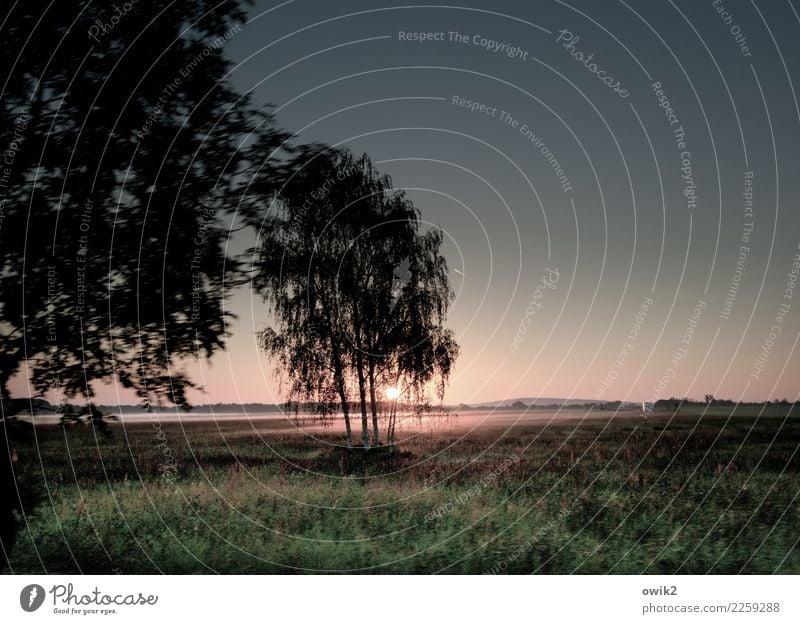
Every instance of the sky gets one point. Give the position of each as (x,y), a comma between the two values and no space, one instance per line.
(616,181)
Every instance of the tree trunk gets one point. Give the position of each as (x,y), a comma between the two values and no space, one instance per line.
(9,494)
(362,394)
(373,404)
(346,412)
(339,374)
(392,421)
(338,371)
(362,384)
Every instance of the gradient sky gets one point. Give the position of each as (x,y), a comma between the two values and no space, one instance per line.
(624,233)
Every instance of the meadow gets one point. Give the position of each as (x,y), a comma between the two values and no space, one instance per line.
(668,494)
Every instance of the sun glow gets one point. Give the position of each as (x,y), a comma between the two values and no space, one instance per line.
(392,393)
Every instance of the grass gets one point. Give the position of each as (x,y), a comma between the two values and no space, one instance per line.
(687,494)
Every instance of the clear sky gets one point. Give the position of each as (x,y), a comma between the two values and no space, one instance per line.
(603,147)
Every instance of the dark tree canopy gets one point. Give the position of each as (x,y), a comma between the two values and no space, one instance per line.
(122,141)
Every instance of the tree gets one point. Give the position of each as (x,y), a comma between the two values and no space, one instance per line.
(358,294)
(416,349)
(709,399)
(121,156)
(9,500)
(124,156)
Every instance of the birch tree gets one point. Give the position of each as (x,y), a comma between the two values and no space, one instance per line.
(332,238)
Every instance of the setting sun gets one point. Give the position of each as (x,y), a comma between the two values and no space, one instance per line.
(392,393)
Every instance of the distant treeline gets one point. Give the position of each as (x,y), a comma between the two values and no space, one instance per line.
(675,402)
(671,403)
(521,405)
(214,408)
(42,407)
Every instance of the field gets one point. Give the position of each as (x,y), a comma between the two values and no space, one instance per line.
(667,494)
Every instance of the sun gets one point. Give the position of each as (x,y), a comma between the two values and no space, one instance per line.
(392,393)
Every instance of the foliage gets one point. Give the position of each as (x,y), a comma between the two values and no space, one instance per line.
(333,237)
(126,158)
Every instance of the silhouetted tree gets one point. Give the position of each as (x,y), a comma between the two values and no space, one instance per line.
(123,152)
(9,501)
(121,143)
(418,352)
(333,238)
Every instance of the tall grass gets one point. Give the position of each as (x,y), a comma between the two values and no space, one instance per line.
(628,496)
